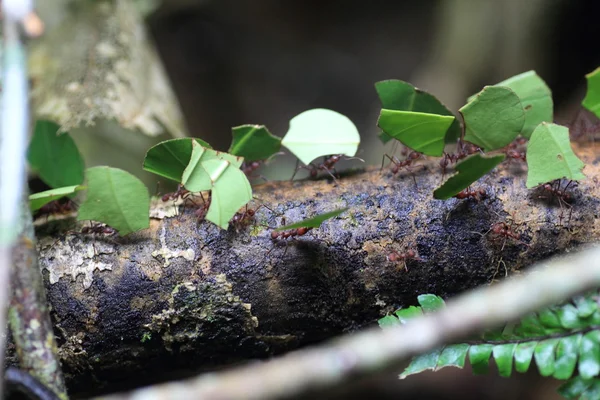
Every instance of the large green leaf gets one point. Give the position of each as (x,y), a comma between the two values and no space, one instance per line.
(402,96)
(550,157)
(321,132)
(38,200)
(467,172)
(493,118)
(421,132)
(230,190)
(535,97)
(195,177)
(55,156)
(169,158)
(592,96)
(116,198)
(313,222)
(254,142)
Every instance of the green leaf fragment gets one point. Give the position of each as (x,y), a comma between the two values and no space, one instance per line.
(423,362)
(523,356)
(529,325)
(535,96)
(402,96)
(406,314)
(576,387)
(494,118)
(479,357)
(453,356)
(321,132)
(431,302)
(550,156)
(387,321)
(503,355)
(170,158)
(195,177)
(589,355)
(586,306)
(567,351)
(421,132)
(313,222)
(549,319)
(254,142)
(592,96)
(230,191)
(55,156)
(38,200)
(467,172)
(116,198)
(544,356)
(569,317)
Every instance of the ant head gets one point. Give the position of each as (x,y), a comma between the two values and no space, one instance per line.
(255,164)
(410,253)
(251,212)
(547,187)
(393,256)
(302,231)
(166,197)
(444,162)
(275,234)
(414,155)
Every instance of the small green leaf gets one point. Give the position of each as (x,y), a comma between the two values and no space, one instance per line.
(586,306)
(576,387)
(453,356)
(321,132)
(254,142)
(402,96)
(38,200)
(567,351)
(549,319)
(503,355)
(431,302)
(592,96)
(494,118)
(589,355)
(169,158)
(523,356)
(544,356)
(529,325)
(467,172)
(194,177)
(55,156)
(479,357)
(387,321)
(406,314)
(422,363)
(313,222)
(116,198)
(535,97)
(550,157)
(569,317)
(421,132)
(230,191)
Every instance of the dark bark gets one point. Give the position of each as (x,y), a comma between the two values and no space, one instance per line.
(231,296)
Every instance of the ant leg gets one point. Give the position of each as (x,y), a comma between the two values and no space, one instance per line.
(296,169)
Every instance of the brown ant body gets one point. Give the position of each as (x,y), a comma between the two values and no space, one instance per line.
(406,163)
(564,198)
(98,229)
(242,219)
(181,193)
(328,165)
(515,151)
(464,150)
(56,207)
(290,233)
(248,167)
(403,257)
(502,229)
(476,194)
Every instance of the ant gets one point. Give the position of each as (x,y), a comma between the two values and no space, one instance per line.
(406,163)
(290,233)
(409,254)
(564,197)
(248,167)
(502,229)
(476,194)
(242,219)
(464,150)
(514,150)
(98,229)
(327,165)
(56,207)
(181,193)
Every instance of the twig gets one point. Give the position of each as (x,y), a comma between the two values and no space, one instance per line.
(373,349)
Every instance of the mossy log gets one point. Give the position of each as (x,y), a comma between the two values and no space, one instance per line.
(186,296)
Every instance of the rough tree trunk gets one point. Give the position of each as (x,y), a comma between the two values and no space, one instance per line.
(187,296)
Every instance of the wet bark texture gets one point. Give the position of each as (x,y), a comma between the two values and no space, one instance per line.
(186,296)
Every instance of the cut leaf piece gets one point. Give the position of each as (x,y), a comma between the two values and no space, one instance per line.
(468,171)
(230,191)
(494,118)
(402,96)
(169,158)
(479,357)
(535,96)
(431,302)
(544,356)
(38,200)
(422,363)
(313,222)
(55,156)
(421,132)
(194,177)
(592,96)
(116,198)
(567,351)
(550,156)
(453,356)
(321,132)
(503,355)
(523,356)
(254,142)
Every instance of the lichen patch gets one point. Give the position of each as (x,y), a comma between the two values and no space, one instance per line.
(167,254)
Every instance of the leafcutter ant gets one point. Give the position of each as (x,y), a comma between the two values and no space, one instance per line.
(181,193)
(564,198)
(504,230)
(467,193)
(409,254)
(328,165)
(56,207)
(464,150)
(242,219)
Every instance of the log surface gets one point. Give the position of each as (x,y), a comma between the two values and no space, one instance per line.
(186,296)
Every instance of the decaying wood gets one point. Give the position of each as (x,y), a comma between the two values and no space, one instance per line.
(184,295)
